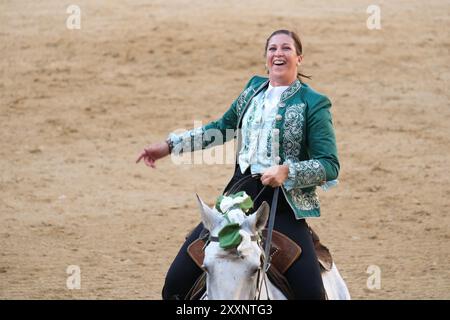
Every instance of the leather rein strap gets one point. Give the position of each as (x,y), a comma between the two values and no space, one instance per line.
(241,182)
(267,257)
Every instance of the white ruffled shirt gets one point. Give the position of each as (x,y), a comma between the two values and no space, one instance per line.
(257,126)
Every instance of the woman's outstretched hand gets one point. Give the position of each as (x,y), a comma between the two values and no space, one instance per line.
(154,152)
(275,176)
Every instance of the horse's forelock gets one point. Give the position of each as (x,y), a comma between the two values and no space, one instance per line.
(242,250)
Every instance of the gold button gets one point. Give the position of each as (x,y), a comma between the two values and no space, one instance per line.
(278,117)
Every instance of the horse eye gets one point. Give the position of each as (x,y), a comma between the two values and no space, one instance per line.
(254,270)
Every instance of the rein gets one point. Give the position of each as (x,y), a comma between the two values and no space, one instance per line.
(266,265)
(241,182)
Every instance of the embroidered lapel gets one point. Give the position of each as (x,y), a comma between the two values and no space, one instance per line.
(246,103)
(289,92)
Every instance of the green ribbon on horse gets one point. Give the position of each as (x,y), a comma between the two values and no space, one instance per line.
(229,236)
(237,200)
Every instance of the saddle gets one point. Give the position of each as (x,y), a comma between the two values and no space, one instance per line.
(283,254)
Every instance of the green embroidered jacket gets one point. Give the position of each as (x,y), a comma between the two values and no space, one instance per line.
(306,140)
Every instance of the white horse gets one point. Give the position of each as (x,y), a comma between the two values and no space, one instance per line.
(232,274)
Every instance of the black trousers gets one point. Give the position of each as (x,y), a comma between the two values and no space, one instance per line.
(303,276)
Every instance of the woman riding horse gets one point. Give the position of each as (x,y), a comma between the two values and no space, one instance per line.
(286,135)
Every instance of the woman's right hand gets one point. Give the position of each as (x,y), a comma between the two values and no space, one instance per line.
(154,152)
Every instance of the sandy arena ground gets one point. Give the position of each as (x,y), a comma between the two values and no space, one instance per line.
(77,106)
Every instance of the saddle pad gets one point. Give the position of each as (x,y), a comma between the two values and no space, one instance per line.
(284,251)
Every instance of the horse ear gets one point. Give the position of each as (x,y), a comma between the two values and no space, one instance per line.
(210,218)
(257,221)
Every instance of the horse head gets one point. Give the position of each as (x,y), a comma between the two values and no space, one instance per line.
(232,272)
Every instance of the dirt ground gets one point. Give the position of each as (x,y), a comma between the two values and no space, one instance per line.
(77,106)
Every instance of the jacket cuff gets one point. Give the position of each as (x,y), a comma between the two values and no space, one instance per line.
(187,141)
(174,141)
(304,174)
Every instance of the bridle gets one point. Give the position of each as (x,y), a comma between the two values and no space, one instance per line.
(259,281)
(265,259)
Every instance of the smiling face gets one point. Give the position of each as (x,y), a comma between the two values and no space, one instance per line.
(282,59)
